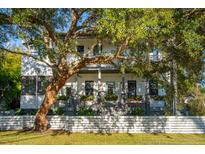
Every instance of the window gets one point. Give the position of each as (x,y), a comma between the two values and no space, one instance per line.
(42,84)
(89,88)
(153,88)
(80,49)
(131,88)
(110,88)
(97,49)
(28,85)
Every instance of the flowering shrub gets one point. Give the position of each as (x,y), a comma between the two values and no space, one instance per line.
(135,98)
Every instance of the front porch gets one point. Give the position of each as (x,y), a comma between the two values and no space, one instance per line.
(103,92)
(100,91)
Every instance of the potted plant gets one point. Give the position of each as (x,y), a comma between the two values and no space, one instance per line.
(87,99)
(135,98)
(111,98)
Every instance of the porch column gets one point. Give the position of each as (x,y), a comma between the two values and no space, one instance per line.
(147,98)
(99,100)
(99,80)
(123,99)
(99,69)
(76,84)
(75,98)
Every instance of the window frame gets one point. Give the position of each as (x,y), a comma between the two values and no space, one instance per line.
(96,50)
(26,84)
(135,88)
(113,88)
(42,84)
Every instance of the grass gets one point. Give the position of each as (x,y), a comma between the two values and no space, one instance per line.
(61,137)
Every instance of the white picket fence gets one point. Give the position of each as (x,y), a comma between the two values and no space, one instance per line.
(110,124)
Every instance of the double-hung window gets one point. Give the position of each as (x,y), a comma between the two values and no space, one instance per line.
(110,87)
(28,85)
(43,82)
(31,85)
(131,88)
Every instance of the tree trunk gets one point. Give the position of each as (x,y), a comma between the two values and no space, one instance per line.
(41,122)
(147,99)
(174,86)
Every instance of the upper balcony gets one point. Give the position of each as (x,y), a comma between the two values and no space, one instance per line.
(85,47)
(91,48)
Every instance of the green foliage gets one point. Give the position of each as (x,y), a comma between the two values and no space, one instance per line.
(62,97)
(87,98)
(84,111)
(196,107)
(178,34)
(10,87)
(111,97)
(20,111)
(137,111)
(58,111)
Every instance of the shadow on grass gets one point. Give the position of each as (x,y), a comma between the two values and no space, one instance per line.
(102,133)
(60,132)
(20,132)
(162,134)
(22,136)
(130,134)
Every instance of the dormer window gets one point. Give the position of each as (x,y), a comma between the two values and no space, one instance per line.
(97,49)
(80,49)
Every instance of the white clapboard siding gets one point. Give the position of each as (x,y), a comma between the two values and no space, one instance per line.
(121,124)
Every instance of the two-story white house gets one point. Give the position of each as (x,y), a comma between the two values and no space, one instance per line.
(90,82)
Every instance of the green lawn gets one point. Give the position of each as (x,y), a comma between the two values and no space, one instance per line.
(59,137)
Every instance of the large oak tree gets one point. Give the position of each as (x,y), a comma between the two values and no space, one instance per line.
(53,33)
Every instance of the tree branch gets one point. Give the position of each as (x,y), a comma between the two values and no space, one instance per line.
(47,26)
(73,27)
(5,19)
(76,66)
(26,54)
(87,20)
